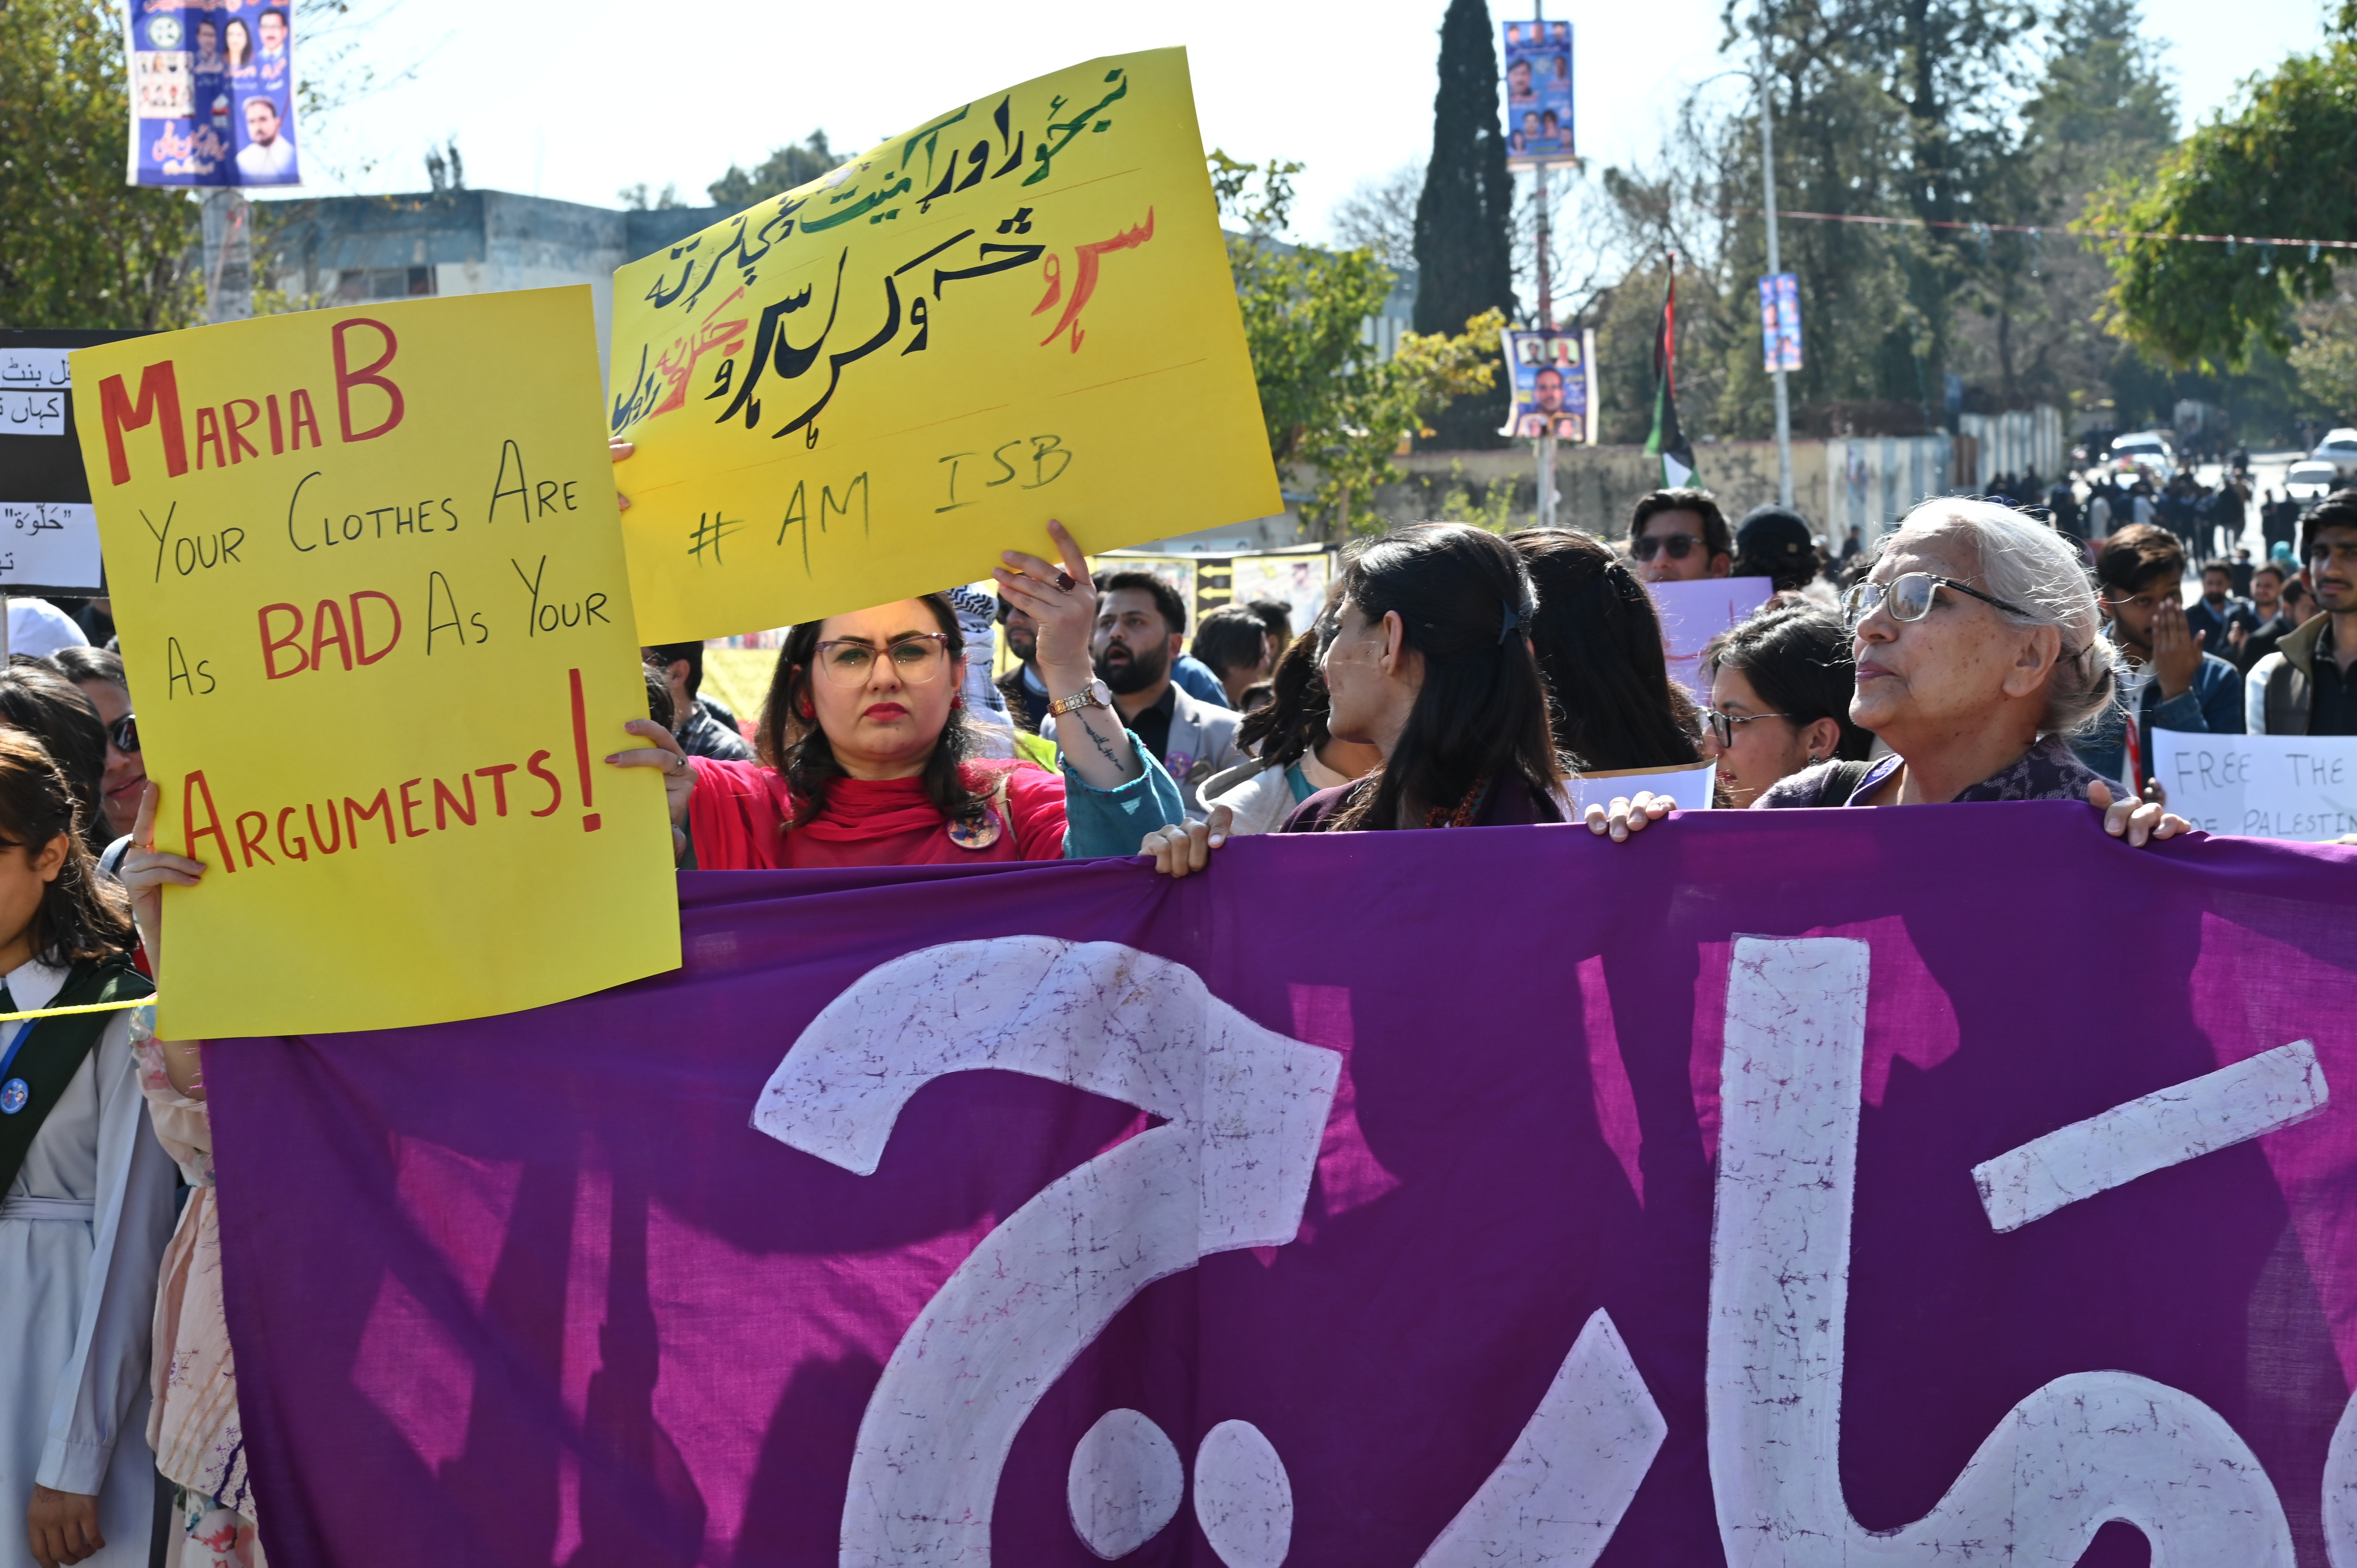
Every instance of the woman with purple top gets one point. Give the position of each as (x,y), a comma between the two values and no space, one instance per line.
(1979,652)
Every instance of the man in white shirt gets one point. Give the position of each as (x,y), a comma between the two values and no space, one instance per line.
(268,156)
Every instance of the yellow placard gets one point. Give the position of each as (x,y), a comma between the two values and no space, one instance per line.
(368,574)
(867,388)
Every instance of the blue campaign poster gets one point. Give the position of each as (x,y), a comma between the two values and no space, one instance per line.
(1549,375)
(1780,321)
(212,92)
(1538,93)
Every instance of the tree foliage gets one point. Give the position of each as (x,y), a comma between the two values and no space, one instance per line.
(78,247)
(786,169)
(1956,112)
(2284,164)
(1465,215)
(1379,215)
(1330,402)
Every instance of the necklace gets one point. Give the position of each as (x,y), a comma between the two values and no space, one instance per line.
(1466,809)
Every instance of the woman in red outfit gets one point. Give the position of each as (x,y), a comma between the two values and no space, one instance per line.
(868,760)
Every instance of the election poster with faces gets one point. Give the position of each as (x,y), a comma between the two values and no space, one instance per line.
(212,95)
(368,575)
(869,387)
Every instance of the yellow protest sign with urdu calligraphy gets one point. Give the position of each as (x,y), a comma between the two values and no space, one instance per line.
(869,387)
(368,574)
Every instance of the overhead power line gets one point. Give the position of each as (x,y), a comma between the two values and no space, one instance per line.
(2037,232)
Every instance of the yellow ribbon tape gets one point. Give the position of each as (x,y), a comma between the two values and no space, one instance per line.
(84,1007)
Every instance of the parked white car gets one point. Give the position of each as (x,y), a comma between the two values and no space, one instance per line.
(2151,450)
(2339,449)
(2311,479)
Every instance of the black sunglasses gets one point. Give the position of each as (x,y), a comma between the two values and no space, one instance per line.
(124,734)
(1677,545)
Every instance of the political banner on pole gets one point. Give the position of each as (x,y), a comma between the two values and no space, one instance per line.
(869,386)
(1549,378)
(1780,321)
(2297,786)
(377,623)
(212,95)
(1538,93)
(1767,1190)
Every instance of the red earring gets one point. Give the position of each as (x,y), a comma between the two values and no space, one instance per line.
(809,712)
(958,701)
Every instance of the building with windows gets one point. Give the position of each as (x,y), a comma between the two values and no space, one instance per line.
(351,249)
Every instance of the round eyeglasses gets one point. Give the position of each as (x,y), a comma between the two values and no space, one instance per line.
(1909,597)
(916,661)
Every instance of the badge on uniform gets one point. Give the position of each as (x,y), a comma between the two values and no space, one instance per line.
(975,833)
(13,1095)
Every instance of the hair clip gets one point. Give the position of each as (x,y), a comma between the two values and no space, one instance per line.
(1509,617)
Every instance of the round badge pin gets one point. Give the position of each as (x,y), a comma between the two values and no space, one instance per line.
(13,1095)
(975,833)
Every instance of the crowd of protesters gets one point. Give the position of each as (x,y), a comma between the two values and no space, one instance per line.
(1453,678)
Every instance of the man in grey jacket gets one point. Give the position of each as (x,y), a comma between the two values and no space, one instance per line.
(1141,629)
(2307,685)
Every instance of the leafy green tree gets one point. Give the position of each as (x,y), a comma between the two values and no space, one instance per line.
(78,247)
(783,170)
(1330,404)
(1464,219)
(2284,164)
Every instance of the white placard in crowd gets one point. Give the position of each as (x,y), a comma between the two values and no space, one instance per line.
(1691,788)
(2302,788)
(1693,613)
(33,391)
(34,370)
(52,543)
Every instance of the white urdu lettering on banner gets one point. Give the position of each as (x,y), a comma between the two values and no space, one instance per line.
(2340,1490)
(1124,1482)
(1558,1496)
(1243,1499)
(2079,1451)
(1245,1111)
(2272,1090)
(1229,1168)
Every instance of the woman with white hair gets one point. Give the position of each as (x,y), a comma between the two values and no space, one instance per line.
(1979,652)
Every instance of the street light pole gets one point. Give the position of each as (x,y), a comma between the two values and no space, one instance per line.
(1546,324)
(1547,496)
(1775,266)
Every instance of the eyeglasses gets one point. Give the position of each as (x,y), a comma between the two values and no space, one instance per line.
(1909,596)
(124,734)
(1678,546)
(1720,726)
(916,660)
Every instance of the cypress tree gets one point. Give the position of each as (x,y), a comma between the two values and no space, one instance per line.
(1463,219)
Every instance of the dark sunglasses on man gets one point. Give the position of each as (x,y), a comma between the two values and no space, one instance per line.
(124,734)
(1678,546)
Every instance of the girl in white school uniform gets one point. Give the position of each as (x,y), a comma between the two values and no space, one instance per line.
(85,1194)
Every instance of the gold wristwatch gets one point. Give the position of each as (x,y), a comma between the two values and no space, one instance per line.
(1095,695)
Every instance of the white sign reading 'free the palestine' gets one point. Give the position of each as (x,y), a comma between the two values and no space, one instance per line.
(2260,785)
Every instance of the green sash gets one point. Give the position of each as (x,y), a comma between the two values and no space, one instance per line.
(54,1050)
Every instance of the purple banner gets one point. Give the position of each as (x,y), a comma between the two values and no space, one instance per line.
(1905,1186)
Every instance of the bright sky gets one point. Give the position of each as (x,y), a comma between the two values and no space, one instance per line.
(580,101)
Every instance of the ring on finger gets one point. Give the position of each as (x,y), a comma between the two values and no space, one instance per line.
(1063,580)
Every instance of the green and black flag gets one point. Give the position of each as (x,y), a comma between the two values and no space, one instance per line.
(1668,442)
